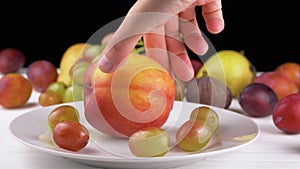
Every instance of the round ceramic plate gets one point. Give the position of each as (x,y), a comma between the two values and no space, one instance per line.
(235,131)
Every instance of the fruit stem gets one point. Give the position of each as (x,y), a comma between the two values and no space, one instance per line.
(242,52)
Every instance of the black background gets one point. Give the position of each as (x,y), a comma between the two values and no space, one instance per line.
(268,33)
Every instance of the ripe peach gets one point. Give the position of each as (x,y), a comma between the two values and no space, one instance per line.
(278,82)
(15,90)
(41,74)
(139,94)
(291,70)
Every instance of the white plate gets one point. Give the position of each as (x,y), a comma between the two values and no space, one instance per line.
(235,131)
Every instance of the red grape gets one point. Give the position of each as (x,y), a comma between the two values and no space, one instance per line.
(70,135)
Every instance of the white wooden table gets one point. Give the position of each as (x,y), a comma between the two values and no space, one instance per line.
(272,149)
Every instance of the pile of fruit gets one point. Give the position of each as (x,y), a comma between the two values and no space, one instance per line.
(139,96)
(66,131)
(54,85)
(229,74)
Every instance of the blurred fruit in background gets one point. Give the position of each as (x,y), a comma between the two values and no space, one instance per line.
(68,94)
(278,82)
(74,62)
(57,87)
(49,98)
(90,55)
(15,90)
(291,70)
(11,60)
(68,60)
(91,52)
(231,68)
(53,94)
(41,73)
(207,90)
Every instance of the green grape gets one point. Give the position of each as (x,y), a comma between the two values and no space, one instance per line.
(62,113)
(68,95)
(78,94)
(49,98)
(149,142)
(207,115)
(57,87)
(92,52)
(195,133)
(79,71)
(192,136)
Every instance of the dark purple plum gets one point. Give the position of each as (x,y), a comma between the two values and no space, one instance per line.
(11,60)
(41,74)
(208,90)
(257,100)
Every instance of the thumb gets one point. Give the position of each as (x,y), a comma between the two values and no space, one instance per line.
(115,53)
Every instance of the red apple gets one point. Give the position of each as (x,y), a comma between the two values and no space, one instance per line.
(139,94)
(11,60)
(278,82)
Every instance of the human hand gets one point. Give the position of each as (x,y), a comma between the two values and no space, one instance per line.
(165,25)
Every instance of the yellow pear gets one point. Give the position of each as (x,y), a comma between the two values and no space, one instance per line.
(69,58)
(229,67)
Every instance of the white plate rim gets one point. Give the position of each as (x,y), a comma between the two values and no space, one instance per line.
(133,160)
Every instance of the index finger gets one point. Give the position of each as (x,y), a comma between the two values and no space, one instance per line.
(213,16)
(126,37)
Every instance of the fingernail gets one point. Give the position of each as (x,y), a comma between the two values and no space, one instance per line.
(104,64)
